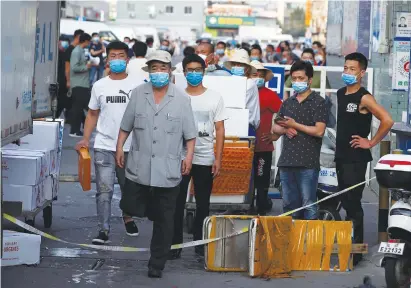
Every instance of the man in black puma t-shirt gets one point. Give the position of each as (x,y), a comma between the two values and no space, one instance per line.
(356,106)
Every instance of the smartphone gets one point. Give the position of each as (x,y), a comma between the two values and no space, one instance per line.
(279,118)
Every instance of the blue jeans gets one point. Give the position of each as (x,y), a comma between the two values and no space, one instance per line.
(99,70)
(106,171)
(299,188)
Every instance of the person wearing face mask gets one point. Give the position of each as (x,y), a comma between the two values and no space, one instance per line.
(320,57)
(356,107)
(160,117)
(209,112)
(63,102)
(206,52)
(220,51)
(166,46)
(97,50)
(109,98)
(302,119)
(239,65)
(256,53)
(308,56)
(270,103)
(269,54)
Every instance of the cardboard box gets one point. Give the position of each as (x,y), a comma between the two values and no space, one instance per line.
(20,248)
(237,122)
(23,170)
(60,144)
(30,196)
(45,136)
(50,165)
(232,89)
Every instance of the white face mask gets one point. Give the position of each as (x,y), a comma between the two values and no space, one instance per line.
(204,57)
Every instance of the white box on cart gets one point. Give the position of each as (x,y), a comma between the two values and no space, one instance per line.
(45,136)
(30,196)
(50,157)
(237,122)
(20,248)
(23,170)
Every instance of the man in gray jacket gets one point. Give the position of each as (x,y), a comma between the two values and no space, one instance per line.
(160,117)
(80,84)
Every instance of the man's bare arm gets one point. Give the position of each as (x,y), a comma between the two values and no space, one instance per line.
(220,135)
(386,122)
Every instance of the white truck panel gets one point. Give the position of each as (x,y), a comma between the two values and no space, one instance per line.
(46,56)
(18,32)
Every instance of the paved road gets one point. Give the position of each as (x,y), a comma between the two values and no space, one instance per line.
(74,220)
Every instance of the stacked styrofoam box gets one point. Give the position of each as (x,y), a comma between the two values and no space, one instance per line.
(30,171)
(233,90)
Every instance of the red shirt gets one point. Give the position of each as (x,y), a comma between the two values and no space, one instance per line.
(269,104)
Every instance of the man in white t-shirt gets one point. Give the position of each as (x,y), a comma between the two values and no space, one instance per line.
(109,98)
(138,61)
(209,114)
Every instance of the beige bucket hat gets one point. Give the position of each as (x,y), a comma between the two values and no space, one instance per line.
(259,66)
(239,56)
(158,55)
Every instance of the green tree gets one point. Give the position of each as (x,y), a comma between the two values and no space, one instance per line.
(296,22)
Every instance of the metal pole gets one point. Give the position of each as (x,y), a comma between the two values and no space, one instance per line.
(385,147)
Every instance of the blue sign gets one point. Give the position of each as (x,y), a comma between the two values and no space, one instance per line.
(277,83)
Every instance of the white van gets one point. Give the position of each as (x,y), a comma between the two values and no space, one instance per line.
(122,31)
(68,26)
(142,33)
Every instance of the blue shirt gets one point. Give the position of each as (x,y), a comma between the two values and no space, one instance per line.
(97,47)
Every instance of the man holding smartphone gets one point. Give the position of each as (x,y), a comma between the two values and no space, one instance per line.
(302,118)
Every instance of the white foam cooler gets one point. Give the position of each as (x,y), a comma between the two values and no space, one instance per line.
(394,171)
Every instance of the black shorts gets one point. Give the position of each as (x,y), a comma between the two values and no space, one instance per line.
(262,169)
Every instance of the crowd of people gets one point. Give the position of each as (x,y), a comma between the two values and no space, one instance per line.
(149,137)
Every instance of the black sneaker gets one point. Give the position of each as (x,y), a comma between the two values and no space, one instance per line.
(101,239)
(131,229)
(77,134)
(154,273)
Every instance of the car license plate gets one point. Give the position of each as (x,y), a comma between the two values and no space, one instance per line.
(392,248)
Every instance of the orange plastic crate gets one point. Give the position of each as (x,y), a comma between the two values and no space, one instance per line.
(235,173)
(84,169)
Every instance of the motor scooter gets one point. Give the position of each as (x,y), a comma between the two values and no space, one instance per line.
(393,171)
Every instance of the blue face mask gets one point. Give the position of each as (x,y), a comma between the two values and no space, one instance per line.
(252,58)
(237,71)
(283,61)
(220,51)
(309,61)
(118,65)
(194,78)
(165,48)
(64,44)
(300,87)
(315,51)
(159,79)
(259,82)
(349,79)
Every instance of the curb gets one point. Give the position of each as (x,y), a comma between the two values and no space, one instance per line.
(74,178)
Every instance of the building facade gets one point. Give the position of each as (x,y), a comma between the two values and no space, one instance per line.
(178,17)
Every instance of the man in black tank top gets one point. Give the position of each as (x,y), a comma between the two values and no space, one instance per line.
(356,106)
